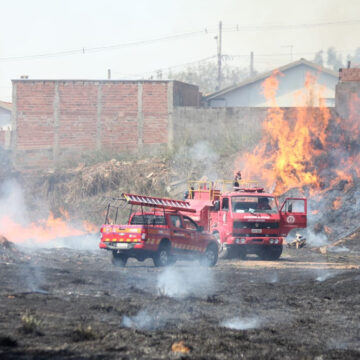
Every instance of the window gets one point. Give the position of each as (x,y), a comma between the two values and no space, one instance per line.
(225,204)
(189,224)
(295,206)
(148,219)
(176,221)
(252,204)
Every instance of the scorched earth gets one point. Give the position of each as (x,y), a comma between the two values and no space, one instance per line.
(72,304)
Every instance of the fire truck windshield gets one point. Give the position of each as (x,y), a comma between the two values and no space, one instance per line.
(252,204)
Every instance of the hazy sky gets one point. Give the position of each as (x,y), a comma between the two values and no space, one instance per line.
(51,26)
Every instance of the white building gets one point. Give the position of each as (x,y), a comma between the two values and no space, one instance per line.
(300,83)
(5,115)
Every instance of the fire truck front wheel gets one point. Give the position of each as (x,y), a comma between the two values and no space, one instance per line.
(271,252)
(162,256)
(119,260)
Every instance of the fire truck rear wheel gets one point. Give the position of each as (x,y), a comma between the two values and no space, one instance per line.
(162,256)
(119,260)
(211,256)
(221,247)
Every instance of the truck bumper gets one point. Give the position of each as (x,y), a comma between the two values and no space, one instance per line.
(254,241)
(121,246)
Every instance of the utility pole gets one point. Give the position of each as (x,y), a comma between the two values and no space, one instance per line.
(219,39)
(109,74)
(252,64)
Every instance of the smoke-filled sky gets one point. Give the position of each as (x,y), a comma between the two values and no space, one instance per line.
(43,27)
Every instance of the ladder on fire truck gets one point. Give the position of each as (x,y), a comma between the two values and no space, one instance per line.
(156,202)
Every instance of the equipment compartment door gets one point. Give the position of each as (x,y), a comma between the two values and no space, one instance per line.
(293,214)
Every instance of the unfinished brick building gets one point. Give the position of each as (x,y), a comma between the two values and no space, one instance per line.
(52,119)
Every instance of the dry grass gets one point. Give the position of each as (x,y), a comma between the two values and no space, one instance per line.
(83,333)
(30,324)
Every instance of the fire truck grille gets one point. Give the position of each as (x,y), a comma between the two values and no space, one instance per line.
(255,225)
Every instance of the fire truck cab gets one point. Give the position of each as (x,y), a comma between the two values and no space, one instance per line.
(245,220)
(162,233)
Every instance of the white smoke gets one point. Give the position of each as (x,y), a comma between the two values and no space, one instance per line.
(241,323)
(338,249)
(12,203)
(323,275)
(13,207)
(182,282)
(202,152)
(316,240)
(80,242)
(142,321)
(273,278)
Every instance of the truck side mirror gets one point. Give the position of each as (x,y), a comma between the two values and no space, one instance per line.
(200,228)
(216,205)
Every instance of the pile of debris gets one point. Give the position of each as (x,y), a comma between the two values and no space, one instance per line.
(8,250)
(83,191)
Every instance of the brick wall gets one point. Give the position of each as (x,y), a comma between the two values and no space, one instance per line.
(186,94)
(53,119)
(119,116)
(349,74)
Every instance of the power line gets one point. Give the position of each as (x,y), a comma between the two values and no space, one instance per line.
(234,28)
(106,47)
(212,29)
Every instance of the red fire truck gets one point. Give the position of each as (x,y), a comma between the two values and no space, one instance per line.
(163,233)
(245,220)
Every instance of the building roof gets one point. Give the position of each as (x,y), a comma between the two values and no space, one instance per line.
(267,74)
(6,105)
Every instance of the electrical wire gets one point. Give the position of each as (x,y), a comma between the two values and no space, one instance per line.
(235,28)
(208,30)
(107,47)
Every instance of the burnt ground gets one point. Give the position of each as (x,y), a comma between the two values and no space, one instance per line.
(71,304)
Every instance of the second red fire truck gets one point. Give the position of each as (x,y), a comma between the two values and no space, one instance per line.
(246,219)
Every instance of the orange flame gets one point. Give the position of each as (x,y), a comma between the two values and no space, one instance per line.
(337,203)
(41,231)
(294,150)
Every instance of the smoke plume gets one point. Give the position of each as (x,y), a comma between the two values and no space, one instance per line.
(182,282)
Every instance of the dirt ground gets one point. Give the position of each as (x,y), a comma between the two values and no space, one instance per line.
(71,304)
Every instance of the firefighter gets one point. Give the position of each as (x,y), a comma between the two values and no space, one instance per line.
(237,178)
(263,204)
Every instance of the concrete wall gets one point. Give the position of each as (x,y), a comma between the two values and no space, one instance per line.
(192,125)
(53,119)
(5,118)
(290,93)
(226,128)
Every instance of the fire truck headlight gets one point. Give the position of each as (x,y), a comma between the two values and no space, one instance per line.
(143,236)
(237,241)
(242,241)
(276,241)
(271,241)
